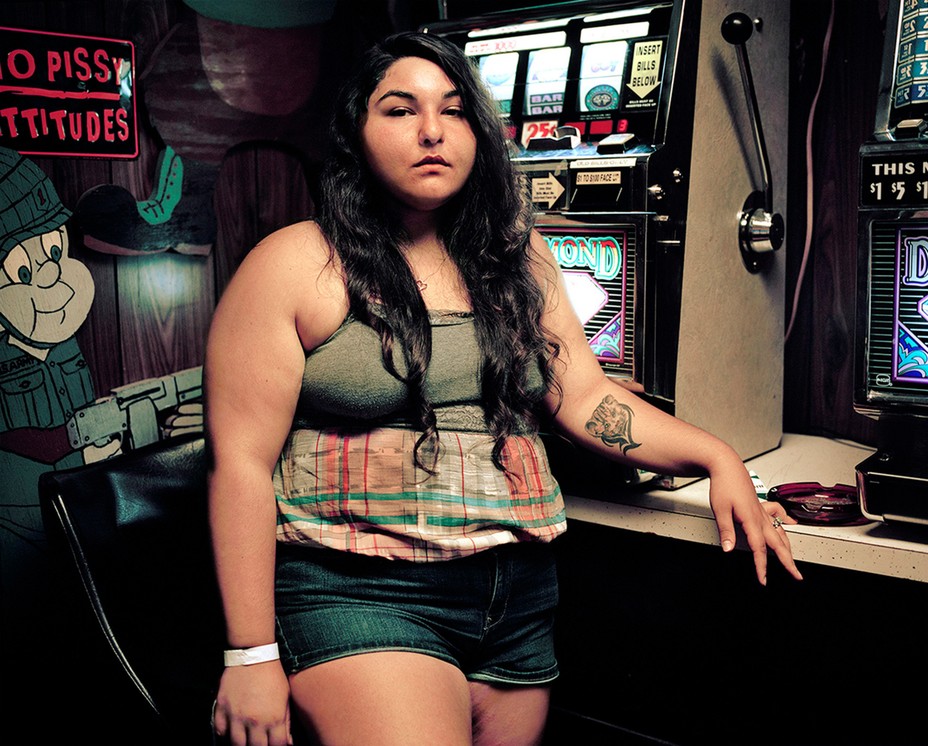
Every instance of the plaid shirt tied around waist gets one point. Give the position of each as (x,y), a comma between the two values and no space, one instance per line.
(362,492)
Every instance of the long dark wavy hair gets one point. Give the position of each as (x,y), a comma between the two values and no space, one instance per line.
(485,229)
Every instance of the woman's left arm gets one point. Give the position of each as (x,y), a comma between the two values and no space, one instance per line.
(601,415)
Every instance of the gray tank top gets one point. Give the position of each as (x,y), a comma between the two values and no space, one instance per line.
(345,383)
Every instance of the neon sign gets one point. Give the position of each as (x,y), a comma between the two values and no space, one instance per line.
(598,267)
(67,95)
(602,254)
(910,356)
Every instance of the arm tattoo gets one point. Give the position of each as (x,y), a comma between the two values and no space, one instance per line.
(612,423)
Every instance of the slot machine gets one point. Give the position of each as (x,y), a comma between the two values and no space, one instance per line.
(638,126)
(891,340)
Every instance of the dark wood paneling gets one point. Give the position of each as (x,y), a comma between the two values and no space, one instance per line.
(236,213)
(282,190)
(144,22)
(819,359)
(165,308)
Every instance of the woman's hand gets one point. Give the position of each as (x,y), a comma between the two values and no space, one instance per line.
(253,706)
(778,518)
(734,500)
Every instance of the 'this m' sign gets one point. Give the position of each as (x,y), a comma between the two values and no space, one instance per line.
(67,95)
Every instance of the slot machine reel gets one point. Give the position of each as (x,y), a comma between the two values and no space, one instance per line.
(760,230)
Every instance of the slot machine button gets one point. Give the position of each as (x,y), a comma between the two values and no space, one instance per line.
(910,128)
(617,143)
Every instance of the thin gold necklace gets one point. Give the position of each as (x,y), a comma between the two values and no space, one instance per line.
(424,284)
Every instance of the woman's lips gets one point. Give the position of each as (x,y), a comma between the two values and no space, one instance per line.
(432,160)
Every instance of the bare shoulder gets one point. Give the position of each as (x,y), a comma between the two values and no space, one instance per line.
(540,250)
(291,277)
(290,255)
(293,265)
(545,264)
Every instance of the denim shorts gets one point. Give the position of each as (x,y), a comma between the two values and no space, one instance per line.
(490,614)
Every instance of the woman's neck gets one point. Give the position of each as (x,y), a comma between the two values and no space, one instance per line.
(420,225)
(422,237)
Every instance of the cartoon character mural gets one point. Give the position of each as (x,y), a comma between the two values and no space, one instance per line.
(49,416)
(45,295)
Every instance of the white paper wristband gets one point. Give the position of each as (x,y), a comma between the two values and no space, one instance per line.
(250,656)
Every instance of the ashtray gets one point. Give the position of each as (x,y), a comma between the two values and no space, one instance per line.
(810,502)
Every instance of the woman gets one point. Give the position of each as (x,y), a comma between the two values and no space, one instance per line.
(373,386)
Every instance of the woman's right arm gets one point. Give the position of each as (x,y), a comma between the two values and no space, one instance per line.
(254,366)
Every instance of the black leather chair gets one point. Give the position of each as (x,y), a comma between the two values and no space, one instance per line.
(133,531)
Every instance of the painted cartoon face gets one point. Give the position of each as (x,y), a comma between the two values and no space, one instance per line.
(416,138)
(44,294)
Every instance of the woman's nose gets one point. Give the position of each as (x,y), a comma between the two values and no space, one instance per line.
(430,129)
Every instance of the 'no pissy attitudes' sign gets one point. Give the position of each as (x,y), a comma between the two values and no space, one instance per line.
(67,95)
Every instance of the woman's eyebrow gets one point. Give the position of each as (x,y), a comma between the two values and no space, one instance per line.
(398,93)
(454,93)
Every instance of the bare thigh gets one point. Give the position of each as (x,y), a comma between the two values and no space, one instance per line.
(508,716)
(384,699)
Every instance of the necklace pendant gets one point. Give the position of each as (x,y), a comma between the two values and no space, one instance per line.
(421,284)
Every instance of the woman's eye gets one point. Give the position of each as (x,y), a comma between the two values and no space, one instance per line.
(399,112)
(17,266)
(454,112)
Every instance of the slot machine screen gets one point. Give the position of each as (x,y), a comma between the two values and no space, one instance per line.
(600,265)
(602,69)
(499,73)
(546,81)
(895,372)
(599,72)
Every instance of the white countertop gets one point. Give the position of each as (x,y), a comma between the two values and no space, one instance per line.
(892,550)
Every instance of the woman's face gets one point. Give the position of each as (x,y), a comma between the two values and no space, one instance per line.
(416,138)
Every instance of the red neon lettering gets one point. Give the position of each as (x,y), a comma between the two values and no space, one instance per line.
(54,65)
(101,60)
(58,118)
(122,125)
(75,126)
(80,62)
(116,62)
(108,125)
(8,115)
(93,126)
(12,64)
(29,115)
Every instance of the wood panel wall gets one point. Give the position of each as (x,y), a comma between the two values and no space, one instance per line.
(819,355)
(151,314)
